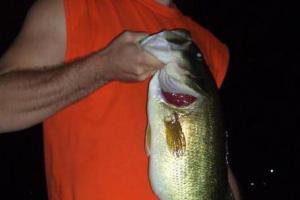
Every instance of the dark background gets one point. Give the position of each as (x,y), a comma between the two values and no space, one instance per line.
(258,95)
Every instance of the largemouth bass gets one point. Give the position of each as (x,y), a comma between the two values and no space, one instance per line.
(185,137)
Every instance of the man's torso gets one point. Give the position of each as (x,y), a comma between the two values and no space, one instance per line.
(94,149)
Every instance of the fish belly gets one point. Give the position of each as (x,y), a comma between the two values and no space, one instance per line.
(200,173)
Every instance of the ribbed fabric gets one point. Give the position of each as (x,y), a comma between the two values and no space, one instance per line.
(94,149)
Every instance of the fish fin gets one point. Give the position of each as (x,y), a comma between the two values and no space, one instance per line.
(148,140)
(174,135)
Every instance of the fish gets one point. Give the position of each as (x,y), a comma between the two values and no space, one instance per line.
(185,137)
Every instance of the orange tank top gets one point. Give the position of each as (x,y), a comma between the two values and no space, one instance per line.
(94,149)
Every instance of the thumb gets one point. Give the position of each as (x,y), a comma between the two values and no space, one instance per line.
(137,37)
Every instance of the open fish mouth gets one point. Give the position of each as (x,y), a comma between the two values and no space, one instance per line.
(178,99)
(173,91)
(173,79)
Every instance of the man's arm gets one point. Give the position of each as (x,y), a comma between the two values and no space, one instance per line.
(34,82)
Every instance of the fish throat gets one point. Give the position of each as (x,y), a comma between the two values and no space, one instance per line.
(174,91)
(178,99)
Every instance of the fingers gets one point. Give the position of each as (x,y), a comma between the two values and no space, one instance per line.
(147,58)
(146,75)
(134,37)
(128,61)
(152,61)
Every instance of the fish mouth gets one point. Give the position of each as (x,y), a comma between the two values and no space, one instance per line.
(178,99)
(174,91)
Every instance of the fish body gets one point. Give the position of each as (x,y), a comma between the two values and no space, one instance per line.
(185,136)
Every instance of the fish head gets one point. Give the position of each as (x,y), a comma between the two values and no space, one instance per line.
(184,81)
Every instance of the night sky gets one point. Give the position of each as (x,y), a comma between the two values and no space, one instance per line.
(259,99)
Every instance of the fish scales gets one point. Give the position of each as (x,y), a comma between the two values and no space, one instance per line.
(186,144)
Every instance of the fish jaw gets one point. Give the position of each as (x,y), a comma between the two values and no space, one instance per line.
(158,146)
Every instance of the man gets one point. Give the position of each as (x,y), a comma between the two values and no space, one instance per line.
(76,65)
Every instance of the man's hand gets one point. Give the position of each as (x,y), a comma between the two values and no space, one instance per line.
(126,61)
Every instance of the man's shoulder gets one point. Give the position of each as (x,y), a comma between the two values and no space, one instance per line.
(41,41)
(47,13)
